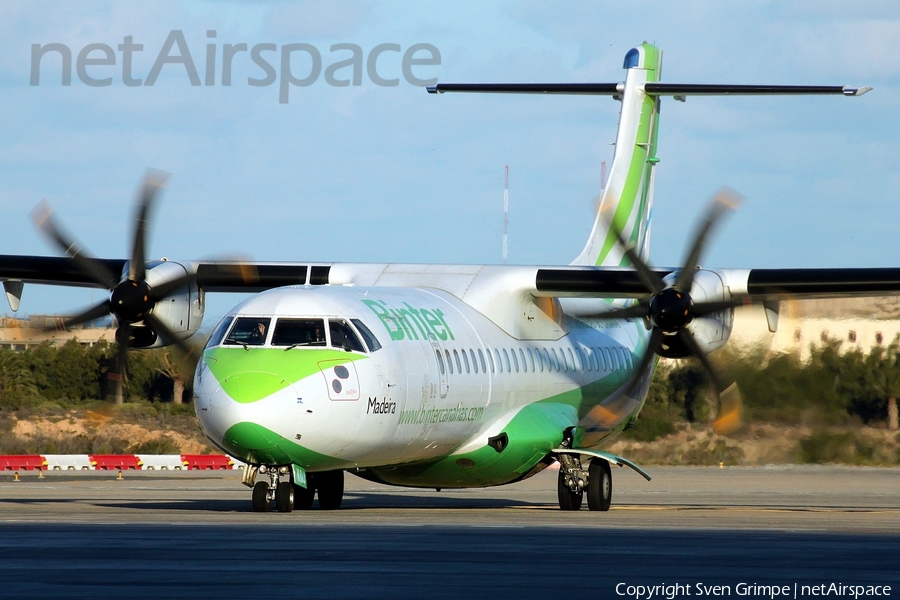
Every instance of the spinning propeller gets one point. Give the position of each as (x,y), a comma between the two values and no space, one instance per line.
(669,309)
(131,298)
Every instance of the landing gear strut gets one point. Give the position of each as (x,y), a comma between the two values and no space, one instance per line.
(574,481)
(288,495)
(282,492)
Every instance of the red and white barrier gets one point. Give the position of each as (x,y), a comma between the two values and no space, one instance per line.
(117,462)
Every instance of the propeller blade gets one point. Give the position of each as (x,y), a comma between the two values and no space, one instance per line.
(652,346)
(730,414)
(636,311)
(153,182)
(164,289)
(94,312)
(42,216)
(650,279)
(726,199)
(729,395)
(704,308)
(115,377)
(162,329)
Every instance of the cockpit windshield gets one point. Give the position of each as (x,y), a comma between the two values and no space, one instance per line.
(248,331)
(343,336)
(299,332)
(219,332)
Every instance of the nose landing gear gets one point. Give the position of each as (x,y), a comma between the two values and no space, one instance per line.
(282,492)
(288,495)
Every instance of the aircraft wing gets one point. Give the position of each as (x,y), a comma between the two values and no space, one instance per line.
(753,284)
(547,281)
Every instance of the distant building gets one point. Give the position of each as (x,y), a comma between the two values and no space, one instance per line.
(861,323)
(21,334)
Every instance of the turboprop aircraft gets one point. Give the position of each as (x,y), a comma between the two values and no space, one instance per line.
(449,376)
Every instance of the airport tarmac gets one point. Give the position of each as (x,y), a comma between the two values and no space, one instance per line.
(193,534)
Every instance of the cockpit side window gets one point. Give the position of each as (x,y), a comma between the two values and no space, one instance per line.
(371,341)
(343,336)
(219,332)
(299,332)
(249,331)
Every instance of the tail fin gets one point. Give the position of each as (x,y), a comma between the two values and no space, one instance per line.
(627,199)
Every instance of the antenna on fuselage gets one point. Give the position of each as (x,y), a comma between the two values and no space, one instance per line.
(505,212)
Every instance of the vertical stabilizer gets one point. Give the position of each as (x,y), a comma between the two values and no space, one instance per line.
(627,199)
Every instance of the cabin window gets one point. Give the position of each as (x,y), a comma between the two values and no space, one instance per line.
(368,336)
(490,359)
(458,364)
(594,359)
(523,361)
(531,360)
(547,359)
(449,362)
(579,357)
(440,361)
(343,336)
(499,361)
(515,360)
(555,359)
(506,361)
(481,360)
(299,332)
(564,360)
(249,331)
(219,332)
(465,358)
(607,360)
(474,362)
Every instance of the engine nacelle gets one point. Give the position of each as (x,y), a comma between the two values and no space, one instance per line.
(182,310)
(710,331)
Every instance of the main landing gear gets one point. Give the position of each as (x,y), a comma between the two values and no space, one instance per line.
(287,495)
(574,481)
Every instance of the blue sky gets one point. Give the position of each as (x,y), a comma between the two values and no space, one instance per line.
(370,173)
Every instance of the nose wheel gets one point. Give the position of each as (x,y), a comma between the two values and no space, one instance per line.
(287,495)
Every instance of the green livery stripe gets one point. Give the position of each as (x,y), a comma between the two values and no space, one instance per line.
(259,445)
(637,178)
(256,373)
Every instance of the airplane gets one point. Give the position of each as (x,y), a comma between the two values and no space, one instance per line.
(449,376)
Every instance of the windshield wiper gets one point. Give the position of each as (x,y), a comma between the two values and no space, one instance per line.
(235,342)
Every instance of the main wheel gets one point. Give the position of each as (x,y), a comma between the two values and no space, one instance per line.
(284,496)
(599,488)
(304,496)
(567,499)
(261,497)
(330,486)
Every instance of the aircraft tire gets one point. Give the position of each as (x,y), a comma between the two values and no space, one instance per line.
(567,500)
(304,496)
(261,497)
(599,488)
(330,487)
(284,497)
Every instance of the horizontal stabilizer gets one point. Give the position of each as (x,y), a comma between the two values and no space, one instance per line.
(650,88)
(602,89)
(706,89)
